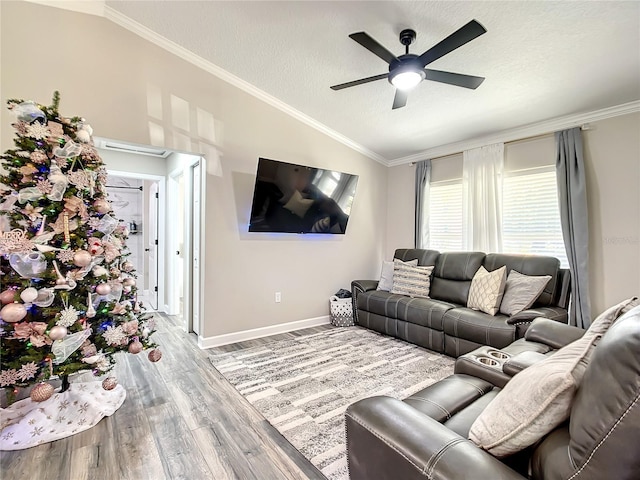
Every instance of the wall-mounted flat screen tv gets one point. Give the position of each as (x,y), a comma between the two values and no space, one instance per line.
(290,198)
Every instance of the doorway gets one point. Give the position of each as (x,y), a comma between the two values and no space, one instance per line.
(135,199)
(185,197)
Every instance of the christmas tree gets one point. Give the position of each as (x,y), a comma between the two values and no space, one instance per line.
(68,292)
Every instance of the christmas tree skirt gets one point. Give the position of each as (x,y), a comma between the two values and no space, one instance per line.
(26,423)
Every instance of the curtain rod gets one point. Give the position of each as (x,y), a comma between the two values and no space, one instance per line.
(583,127)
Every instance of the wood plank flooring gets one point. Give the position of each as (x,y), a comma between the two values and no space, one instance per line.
(181,420)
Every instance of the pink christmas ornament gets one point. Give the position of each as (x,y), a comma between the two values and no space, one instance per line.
(127,266)
(8,296)
(103,289)
(58,332)
(155,355)
(114,272)
(13,312)
(109,383)
(101,206)
(41,392)
(135,347)
(129,282)
(82,258)
(126,289)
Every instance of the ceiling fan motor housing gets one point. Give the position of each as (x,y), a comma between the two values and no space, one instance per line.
(405,63)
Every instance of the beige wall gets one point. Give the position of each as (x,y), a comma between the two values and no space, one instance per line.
(612,157)
(106,74)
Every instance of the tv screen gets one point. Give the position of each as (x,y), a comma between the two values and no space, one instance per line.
(290,198)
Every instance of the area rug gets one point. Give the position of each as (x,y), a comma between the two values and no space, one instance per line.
(303,386)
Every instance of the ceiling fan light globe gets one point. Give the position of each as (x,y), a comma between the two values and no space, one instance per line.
(406,80)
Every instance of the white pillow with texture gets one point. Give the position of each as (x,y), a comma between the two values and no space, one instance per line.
(521,291)
(411,280)
(539,398)
(485,293)
(386,275)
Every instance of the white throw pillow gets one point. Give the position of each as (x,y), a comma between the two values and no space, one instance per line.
(486,290)
(412,280)
(539,398)
(386,274)
(521,291)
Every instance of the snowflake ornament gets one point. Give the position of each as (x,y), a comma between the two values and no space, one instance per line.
(44,186)
(8,377)
(115,335)
(68,316)
(38,156)
(65,255)
(37,131)
(27,371)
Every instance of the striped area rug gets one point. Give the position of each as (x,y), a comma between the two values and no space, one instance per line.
(303,386)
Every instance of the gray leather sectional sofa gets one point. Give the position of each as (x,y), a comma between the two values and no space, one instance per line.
(425,435)
(443,323)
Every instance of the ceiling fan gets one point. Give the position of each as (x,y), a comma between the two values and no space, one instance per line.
(406,71)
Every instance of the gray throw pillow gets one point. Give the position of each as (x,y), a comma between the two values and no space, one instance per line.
(521,291)
(539,398)
(386,274)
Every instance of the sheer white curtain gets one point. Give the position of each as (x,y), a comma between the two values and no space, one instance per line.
(482,170)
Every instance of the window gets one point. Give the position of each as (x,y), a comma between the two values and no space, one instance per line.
(531,215)
(445,216)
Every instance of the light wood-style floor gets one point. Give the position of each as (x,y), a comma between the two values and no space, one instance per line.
(180,420)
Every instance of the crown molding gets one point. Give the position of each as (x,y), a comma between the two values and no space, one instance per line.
(172,47)
(519,133)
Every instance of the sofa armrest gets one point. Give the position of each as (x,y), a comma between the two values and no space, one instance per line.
(558,314)
(388,439)
(552,333)
(358,286)
(523,360)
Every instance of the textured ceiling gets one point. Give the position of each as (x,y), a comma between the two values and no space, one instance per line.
(541,60)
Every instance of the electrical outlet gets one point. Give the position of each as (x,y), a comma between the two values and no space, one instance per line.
(278,297)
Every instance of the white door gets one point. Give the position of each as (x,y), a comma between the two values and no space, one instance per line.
(195,249)
(151,249)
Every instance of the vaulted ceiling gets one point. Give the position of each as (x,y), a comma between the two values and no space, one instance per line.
(541,60)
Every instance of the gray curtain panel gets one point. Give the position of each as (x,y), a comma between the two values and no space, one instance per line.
(572,197)
(423,178)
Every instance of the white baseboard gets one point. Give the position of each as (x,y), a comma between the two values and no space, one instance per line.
(234,337)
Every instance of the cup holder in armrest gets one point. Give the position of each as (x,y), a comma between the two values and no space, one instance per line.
(498,354)
(488,361)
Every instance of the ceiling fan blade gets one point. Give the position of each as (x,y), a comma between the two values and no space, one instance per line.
(458,38)
(374,47)
(400,100)
(457,79)
(359,82)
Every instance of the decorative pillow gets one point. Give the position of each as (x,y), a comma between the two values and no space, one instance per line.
(386,275)
(538,399)
(412,280)
(521,291)
(486,290)
(298,205)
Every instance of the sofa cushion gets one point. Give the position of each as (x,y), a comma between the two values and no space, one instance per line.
(386,275)
(423,311)
(487,288)
(411,280)
(379,302)
(478,327)
(424,257)
(452,276)
(521,291)
(536,265)
(539,398)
